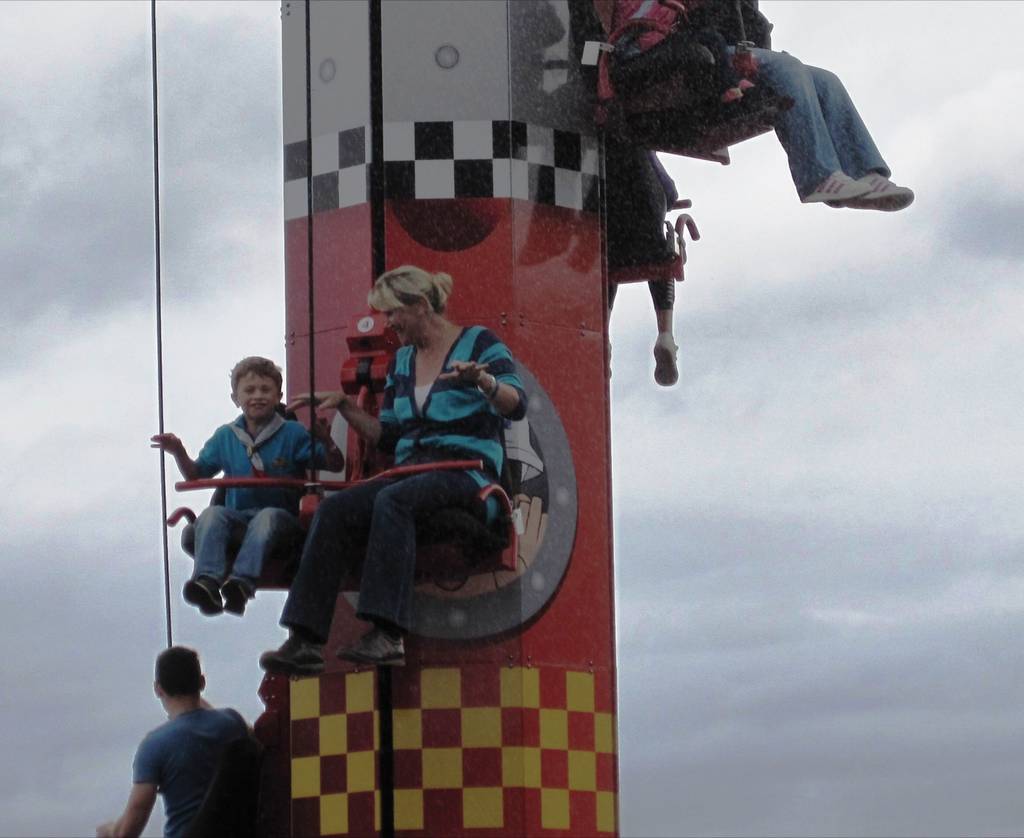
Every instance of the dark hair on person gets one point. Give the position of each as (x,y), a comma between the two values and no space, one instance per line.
(260,366)
(177,671)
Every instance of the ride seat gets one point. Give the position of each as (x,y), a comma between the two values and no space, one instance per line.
(665,98)
(670,265)
(451,543)
(279,568)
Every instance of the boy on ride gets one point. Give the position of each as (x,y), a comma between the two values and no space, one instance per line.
(259,443)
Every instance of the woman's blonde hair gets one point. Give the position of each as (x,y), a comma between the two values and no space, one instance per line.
(407,284)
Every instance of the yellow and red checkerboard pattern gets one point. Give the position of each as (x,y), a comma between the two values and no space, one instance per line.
(478,750)
(334,742)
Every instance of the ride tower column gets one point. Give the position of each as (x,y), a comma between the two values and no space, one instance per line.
(456,135)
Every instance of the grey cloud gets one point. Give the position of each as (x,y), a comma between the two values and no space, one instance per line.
(78,187)
(798,556)
(740,714)
(986,223)
(748,703)
(811,739)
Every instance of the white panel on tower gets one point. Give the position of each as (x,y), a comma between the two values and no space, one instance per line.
(444,60)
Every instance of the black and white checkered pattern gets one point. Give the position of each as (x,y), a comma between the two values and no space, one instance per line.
(461,159)
(340,172)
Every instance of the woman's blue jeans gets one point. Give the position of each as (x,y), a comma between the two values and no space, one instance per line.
(380,515)
(256,533)
(822,132)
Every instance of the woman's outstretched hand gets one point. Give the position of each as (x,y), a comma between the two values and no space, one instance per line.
(321,399)
(466,372)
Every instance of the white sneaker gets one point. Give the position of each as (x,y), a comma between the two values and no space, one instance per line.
(665,372)
(837,188)
(882,195)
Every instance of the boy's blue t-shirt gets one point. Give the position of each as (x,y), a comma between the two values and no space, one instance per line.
(285,454)
(180,757)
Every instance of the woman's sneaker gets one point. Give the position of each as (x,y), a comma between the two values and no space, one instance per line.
(665,371)
(836,190)
(882,194)
(295,657)
(377,648)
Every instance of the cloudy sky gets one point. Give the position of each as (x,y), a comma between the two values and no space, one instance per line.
(818,531)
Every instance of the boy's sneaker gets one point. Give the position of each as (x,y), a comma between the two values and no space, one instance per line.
(237,592)
(882,195)
(665,372)
(836,190)
(376,648)
(203,593)
(295,657)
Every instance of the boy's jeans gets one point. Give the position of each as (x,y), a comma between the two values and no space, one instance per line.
(822,132)
(256,533)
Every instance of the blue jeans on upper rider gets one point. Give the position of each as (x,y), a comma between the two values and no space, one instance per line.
(380,515)
(255,532)
(822,132)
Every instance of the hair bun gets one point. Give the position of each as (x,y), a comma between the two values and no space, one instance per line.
(442,282)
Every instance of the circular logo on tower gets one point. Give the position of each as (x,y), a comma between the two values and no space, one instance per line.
(545,503)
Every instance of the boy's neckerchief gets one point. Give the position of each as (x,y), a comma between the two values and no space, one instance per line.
(252,446)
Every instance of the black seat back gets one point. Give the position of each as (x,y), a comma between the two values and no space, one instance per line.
(687,66)
(636,206)
(231,806)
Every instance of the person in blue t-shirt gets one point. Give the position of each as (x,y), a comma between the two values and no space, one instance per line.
(178,759)
(448,391)
(257,521)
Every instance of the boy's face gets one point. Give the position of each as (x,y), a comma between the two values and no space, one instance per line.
(257,396)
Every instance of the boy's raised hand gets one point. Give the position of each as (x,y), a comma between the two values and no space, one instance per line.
(169,443)
(176,448)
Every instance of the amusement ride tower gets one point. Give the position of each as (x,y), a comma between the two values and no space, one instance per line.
(457,136)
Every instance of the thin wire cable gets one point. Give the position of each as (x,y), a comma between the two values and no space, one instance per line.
(160,329)
(309,247)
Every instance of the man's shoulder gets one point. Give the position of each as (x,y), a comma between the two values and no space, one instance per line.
(198,717)
(210,714)
(157,739)
(226,723)
(220,722)
(229,714)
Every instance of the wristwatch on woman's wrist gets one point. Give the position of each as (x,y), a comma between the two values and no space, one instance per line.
(489,391)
